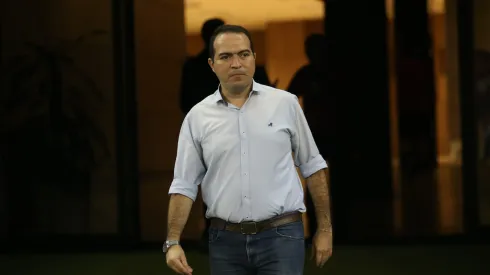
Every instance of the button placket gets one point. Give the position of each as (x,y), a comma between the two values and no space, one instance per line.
(245,173)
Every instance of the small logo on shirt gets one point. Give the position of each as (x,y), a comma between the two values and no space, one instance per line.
(270,124)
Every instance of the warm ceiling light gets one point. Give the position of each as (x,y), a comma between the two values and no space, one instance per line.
(433,6)
(253,14)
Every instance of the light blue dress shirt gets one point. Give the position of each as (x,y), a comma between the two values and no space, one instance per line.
(242,157)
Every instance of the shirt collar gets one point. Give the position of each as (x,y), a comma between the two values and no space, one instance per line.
(256,89)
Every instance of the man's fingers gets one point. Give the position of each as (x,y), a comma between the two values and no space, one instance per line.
(188,269)
(322,257)
(319,258)
(177,266)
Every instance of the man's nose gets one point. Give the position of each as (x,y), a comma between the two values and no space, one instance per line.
(235,62)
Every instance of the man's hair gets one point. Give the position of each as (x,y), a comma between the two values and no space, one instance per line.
(228,29)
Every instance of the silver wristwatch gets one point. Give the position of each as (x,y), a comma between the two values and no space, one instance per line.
(169,244)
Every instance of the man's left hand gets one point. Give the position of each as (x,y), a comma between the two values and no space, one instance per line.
(322,247)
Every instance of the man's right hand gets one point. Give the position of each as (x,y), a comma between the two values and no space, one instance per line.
(177,262)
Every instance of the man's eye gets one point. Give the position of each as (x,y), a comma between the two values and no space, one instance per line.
(224,57)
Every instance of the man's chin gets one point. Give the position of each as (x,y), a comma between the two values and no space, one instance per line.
(238,80)
(238,86)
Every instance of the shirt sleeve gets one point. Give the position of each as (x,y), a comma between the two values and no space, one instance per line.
(306,154)
(189,167)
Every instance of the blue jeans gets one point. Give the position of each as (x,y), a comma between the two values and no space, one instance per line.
(278,251)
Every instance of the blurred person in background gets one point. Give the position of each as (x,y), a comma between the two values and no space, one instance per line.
(309,84)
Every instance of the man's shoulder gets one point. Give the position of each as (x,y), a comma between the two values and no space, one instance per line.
(276,93)
(203,105)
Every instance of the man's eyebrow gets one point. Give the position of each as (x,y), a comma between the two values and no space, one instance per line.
(245,51)
(230,53)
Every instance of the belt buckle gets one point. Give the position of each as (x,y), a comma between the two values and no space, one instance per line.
(248,228)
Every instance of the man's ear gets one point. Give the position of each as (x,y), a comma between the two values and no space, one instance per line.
(255,55)
(211,63)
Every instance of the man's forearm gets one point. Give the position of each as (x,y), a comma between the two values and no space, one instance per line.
(178,212)
(318,188)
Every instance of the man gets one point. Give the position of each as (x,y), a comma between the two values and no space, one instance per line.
(238,144)
(198,81)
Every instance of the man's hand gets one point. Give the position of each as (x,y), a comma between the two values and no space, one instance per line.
(322,241)
(177,262)
(322,247)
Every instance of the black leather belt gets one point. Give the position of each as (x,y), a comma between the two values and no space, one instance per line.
(251,228)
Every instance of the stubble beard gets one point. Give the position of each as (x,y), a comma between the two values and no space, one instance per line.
(238,88)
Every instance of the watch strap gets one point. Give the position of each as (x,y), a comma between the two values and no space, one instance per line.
(169,244)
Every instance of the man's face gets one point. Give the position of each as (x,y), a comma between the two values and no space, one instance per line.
(234,61)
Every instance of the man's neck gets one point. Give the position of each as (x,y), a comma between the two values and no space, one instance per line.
(236,98)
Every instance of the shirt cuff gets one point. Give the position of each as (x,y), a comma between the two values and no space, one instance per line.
(314,165)
(182,187)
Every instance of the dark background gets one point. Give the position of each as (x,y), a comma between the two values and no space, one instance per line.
(83,107)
